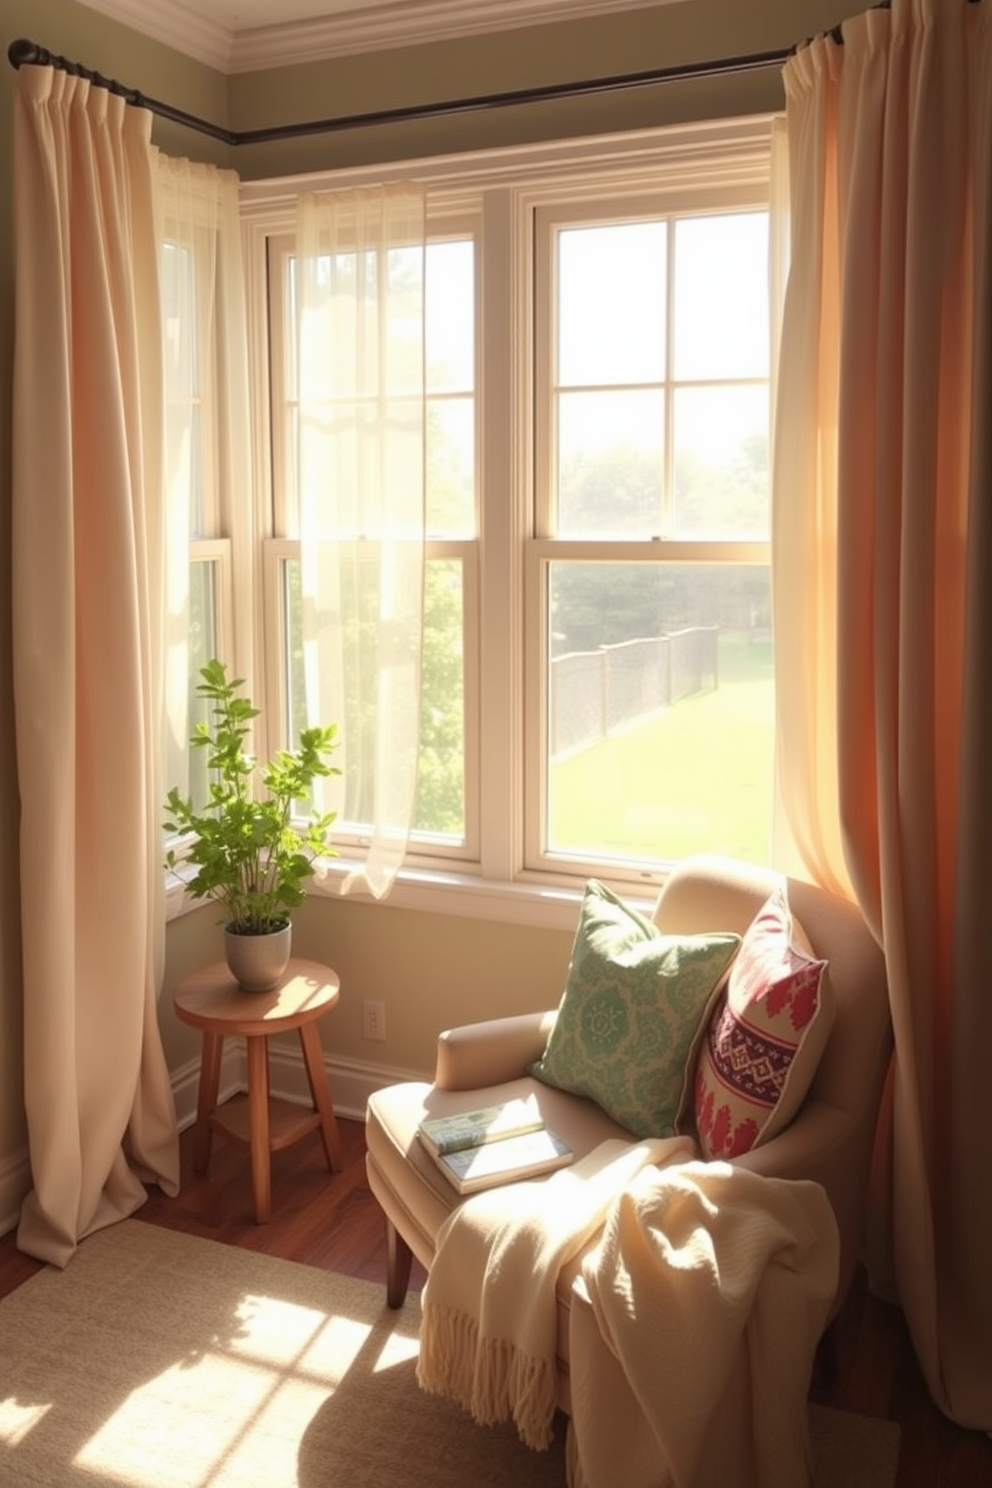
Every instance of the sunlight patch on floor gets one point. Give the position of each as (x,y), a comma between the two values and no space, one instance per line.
(17,1420)
(222,1417)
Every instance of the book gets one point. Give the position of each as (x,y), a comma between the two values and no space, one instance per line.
(527,1155)
(454,1133)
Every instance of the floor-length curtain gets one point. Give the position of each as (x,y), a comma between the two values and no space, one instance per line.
(87,596)
(883,605)
(361,439)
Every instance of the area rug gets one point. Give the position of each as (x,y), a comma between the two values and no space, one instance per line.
(157,1360)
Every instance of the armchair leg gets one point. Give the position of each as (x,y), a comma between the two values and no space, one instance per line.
(399,1259)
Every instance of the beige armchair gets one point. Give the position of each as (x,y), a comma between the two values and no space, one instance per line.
(830,1140)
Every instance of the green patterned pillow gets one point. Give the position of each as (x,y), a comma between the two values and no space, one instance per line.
(633,1003)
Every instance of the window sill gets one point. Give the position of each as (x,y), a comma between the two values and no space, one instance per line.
(548,906)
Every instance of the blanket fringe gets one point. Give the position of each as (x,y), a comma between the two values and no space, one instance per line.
(488,1377)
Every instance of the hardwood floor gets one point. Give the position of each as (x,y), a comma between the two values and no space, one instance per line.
(334,1222)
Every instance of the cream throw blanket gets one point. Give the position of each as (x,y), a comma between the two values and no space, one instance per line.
(487,1336)
(693,1330)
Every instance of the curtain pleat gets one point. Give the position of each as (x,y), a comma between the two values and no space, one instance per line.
(87,593)
(882,495)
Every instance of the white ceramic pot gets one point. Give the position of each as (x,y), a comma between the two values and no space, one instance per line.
(258,961)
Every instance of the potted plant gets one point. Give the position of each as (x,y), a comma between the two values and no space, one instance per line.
(247,852)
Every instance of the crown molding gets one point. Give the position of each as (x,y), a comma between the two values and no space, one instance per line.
(352,28)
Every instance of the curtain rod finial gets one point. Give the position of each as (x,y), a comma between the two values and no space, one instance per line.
(23,52)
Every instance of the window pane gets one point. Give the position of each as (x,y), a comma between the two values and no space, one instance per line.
(721,462)
(660,710)
(449,343)
(611,304)
(440,809)
(183,391)
(451,467)
(610,464)
(449,330)
(203,647)
(295,700)
(721,302)
(440,806)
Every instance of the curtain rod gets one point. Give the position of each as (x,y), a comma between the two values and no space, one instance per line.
(21,53)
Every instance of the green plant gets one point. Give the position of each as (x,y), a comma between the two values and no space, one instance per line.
(247,852)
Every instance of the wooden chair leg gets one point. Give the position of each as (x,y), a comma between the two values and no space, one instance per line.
(399,1259)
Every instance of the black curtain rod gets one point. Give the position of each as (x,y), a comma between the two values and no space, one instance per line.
(21,53)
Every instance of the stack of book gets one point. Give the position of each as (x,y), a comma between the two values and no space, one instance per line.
(494,1144)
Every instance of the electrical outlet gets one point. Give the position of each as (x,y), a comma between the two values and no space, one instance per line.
(374,1020)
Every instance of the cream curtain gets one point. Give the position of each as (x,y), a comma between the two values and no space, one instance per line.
(883,607)
(87,597)
(360,451)
(208,443)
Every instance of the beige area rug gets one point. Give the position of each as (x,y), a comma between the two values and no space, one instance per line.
(157,1360)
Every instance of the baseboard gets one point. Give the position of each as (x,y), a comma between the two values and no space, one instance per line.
(351,1084)
(15,1182)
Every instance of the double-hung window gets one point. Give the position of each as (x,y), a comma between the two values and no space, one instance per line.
(650,707)
(445,825)
(597,665)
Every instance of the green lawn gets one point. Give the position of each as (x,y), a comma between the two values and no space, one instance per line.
(697,778)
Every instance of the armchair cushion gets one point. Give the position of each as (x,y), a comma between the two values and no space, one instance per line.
(765,1036)
(628,1017)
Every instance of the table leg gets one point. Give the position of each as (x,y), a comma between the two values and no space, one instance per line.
(206,1100)
(258,1126)
(313,1058)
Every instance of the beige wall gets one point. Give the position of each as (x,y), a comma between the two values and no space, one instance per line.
(429,970)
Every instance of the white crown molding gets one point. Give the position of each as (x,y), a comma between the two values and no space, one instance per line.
(382,27)
(348,30)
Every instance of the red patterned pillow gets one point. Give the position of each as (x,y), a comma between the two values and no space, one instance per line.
(764,1038)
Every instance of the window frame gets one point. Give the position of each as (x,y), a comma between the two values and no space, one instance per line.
(548,214)
(501,873)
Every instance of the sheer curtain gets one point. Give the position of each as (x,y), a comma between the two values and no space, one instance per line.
(208,475)
(883,607)
(86,610)
(359,296)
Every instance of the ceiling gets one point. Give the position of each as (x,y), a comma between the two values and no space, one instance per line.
(245,35)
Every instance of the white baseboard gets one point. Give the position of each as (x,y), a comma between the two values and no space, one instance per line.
(351,1084)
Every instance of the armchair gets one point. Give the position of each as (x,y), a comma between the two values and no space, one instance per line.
(830,1140)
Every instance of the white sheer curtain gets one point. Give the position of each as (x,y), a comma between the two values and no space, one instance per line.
(883,605)
(208,443)
(361,439)
(87,646)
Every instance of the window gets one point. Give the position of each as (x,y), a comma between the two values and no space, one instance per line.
(192,470)
(446,817)
(649,570)
(598,685)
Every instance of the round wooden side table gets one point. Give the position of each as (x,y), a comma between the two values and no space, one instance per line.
(212,1001)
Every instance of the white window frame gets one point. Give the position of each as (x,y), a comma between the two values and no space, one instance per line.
(547,213)
(502,874)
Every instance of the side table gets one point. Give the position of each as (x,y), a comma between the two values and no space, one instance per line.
(212,1001)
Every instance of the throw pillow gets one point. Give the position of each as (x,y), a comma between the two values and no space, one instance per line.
(632,1002)
(765,1036)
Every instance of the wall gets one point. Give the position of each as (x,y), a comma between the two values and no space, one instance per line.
(429,970)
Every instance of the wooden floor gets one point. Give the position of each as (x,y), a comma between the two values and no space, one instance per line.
(334,1222)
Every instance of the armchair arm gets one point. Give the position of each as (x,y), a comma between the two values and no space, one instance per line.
(491,1053)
